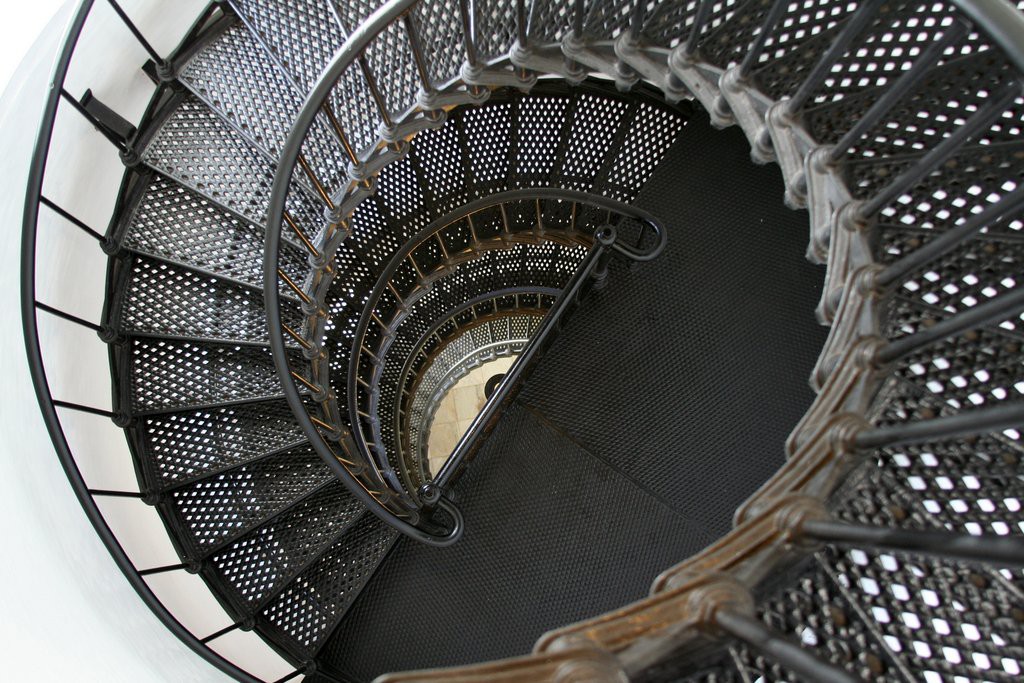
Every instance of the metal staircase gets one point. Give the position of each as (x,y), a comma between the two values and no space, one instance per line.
(332,210)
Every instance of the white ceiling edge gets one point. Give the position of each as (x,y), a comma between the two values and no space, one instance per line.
(68,612)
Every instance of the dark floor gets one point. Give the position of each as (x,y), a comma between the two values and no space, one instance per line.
(663,404)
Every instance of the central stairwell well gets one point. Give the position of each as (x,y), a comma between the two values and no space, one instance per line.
(327,206)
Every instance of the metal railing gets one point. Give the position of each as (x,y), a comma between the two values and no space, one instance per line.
(35,199)
(850,372)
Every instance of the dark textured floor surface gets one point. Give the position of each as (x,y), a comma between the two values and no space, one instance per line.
(663,404)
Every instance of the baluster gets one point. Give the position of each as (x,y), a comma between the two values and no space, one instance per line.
(801,661)
(703,11)
(1001,551)
(754,53)
(162,66)
(72,219)
(317,185)
(969,423)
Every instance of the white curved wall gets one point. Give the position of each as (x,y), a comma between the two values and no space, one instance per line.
(66,612)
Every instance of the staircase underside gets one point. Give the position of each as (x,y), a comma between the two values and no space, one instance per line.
(665,403)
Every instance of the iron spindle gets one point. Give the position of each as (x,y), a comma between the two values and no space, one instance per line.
(754,53)
(417,52)
(71,219)
(222,632)
(997,550)
(521,30)
(465,11)
(703,10)
(972,422)
(375,93)
(135,32)
(162,570)
(756,633)
(67,316)
(83,409)
(578,17)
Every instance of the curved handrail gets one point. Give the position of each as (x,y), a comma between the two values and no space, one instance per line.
(1002,22)
(483,203)
(342,60)
(345,57)
(33,199)
(406,398)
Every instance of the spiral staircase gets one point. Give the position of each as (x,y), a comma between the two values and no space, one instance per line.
(761,426)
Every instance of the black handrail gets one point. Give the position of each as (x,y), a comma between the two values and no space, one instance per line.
(648,221)
(47,404)
(353,48)
(592,267)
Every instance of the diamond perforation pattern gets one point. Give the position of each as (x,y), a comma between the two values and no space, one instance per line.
(265,559)
(198,149)
(813,610)
(317,599)
(302,34)
(166,299)
(190,443)
(175,223)
(654,130)
(439,26)
(178,374)
(223,506)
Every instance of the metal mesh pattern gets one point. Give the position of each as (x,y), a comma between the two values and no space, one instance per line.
(439,157)
(175,223)
(800,22)
(670,23)
(266,559)
(166,299)
(973,486)
(236,77)
(929,113)
(389,56)
(982,367)
(178,374)
(439,28)
(190,443)
(218,508)
(595,123)
(315,601)
(494,23)
(813,608)
(939,617)
(653,132)
(549,21)
(302,34)
(606,20)
(541,120)
(198,149)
